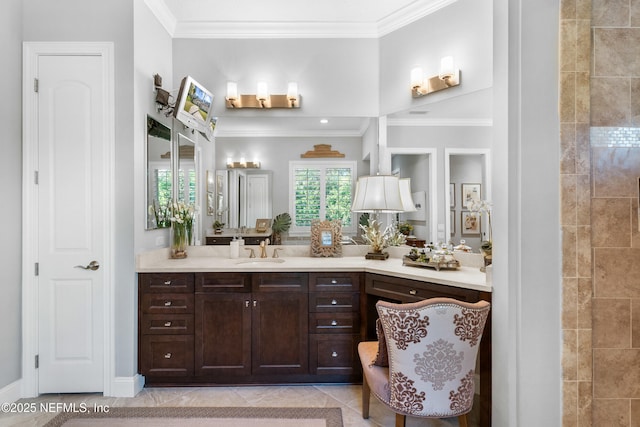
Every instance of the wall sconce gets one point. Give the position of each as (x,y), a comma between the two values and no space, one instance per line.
(449,76)
(262,98)
(242,164)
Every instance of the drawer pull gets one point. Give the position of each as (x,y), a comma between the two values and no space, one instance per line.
(334,281)
(167,303)
(167,356)
(246,303)
(167,324)
(334,302)
(168,282)
(413,292)
(334,323)
(334,354)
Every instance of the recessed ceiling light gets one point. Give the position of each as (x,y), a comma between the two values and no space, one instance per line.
(418,112)
(324,121)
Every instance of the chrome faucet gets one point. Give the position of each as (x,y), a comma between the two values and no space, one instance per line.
(263,248)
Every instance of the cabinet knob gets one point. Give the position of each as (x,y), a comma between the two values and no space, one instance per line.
(334,302)
(413,292)
(167,282)
(167,324)
(334,281)
(167,303)
(334,354)
(167,356)
(334,323)
(255,303)
(246,303)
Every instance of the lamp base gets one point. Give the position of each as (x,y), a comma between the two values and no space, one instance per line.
(377,255)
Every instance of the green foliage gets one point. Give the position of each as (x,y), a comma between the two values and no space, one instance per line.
(281,223)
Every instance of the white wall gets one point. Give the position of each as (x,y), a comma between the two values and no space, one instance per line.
(11,177)
(462,30)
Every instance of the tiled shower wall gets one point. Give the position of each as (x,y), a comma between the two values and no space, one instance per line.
(600,166)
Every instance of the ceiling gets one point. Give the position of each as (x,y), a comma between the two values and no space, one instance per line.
(309,19)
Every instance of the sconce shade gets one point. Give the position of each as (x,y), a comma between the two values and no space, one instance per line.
(262,92)
(292,91)
(447,69)
(232,91)
(380,193)
(405,195)
(416,77)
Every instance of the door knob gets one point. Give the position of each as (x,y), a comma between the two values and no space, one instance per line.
(93,266)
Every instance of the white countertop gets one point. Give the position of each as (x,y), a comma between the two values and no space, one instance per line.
(296,258)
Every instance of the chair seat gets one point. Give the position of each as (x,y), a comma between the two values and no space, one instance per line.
(377,376)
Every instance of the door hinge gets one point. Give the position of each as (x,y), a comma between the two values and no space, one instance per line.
(36,268)
(35,85)
(37,361)
(36,178)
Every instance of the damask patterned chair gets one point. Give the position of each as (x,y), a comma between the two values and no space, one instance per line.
(432,349)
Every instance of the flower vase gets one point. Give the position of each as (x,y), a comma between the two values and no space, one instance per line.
(179,240)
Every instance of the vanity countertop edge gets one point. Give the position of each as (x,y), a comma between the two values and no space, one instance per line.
(296,259)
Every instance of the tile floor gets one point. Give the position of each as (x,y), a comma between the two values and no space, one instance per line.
(347,397)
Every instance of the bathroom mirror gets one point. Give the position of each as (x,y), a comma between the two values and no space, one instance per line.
(248,194)
(467,173)
(159,178)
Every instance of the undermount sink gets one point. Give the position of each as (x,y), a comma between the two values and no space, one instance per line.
(258,261)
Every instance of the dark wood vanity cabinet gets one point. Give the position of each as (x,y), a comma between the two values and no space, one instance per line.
(166,324)
(334,324)
(250,325)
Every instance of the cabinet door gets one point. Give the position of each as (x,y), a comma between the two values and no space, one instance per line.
(223,334)
(280,333)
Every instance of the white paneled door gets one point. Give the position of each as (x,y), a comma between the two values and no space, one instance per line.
(70,282)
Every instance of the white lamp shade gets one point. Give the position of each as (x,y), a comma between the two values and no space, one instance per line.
(416,77)
(405,195)
(380,193)
(232,91)
(262,92)
(292,91)
(446,67)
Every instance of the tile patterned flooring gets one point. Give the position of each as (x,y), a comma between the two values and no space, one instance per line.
(347,397)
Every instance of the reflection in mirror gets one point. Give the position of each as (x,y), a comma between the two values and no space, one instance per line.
(186,179)
(159,180)
(466,174)
(249,196)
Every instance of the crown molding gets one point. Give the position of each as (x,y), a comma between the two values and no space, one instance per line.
(283,30)
(439,122)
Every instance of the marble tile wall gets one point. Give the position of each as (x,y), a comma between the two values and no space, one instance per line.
(600,166)
(575,179)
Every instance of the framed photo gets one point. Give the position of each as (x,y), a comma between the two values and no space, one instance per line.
(452,195)
(470,192)
(262,224)
(326,237)
(452,221)
(470,223)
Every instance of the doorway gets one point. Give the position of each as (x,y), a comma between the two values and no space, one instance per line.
(68,145)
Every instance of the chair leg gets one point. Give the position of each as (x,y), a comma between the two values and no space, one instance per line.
(462,420)
(400,420)
(366,392)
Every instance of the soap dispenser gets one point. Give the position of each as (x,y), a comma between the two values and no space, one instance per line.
(234,248)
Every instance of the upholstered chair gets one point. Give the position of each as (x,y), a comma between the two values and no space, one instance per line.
(432,348)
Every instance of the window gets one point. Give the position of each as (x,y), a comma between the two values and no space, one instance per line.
(321,190)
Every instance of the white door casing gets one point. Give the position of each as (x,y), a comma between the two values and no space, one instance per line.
(67,187)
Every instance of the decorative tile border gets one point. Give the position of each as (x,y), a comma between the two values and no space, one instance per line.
(622,137)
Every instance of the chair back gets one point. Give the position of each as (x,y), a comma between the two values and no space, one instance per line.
(432,345)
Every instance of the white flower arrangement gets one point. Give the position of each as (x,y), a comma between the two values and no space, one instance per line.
(483,207)
(380,240)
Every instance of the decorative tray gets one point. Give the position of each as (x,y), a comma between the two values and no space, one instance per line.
(449,263)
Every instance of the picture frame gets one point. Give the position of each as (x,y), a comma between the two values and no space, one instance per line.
(452,195)
(262,224)
(326,238)
(470,224)
(469,193)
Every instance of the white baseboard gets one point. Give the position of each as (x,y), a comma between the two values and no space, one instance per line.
(127,386)
(11,392)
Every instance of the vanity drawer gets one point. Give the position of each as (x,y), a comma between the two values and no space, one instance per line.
(167,303)
(167,355)
(334,323)
(334,354)
(218,240)
(166,282)
(334,301)
(223,282)
(334,282)
(166,324)
(404,290)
